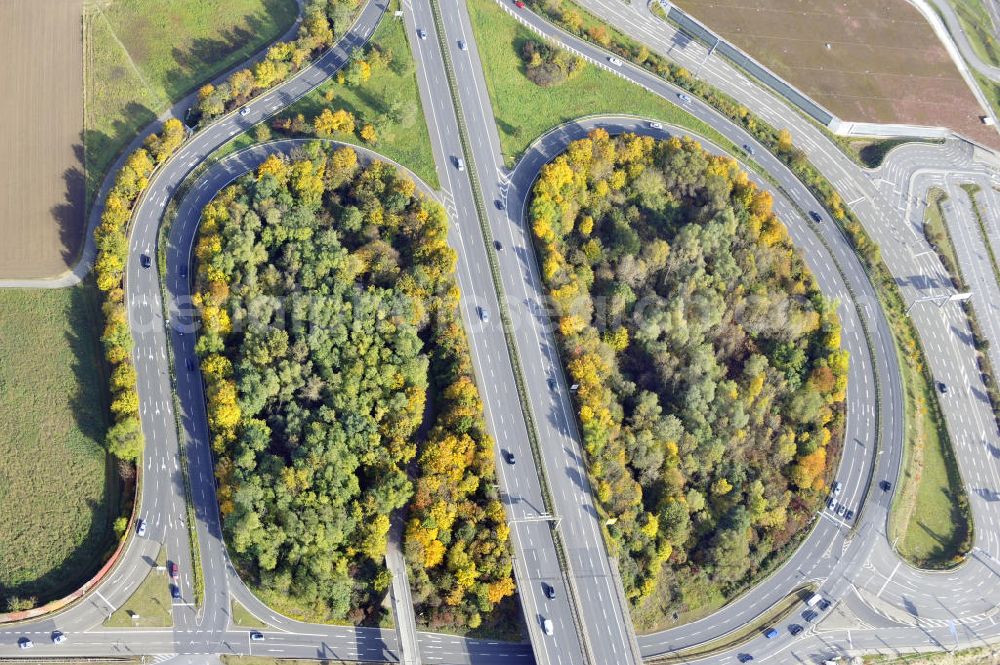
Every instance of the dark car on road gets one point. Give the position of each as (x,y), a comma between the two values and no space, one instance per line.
(824,605)
(499,204)
(145,261)
(885,485)
(795,629)
(175,592)
(815,216)
(744,658)
(509,456)
(498,244)
(809,615)
(771,633)
(256,636)
(550,591)
(190,364)
(943,387)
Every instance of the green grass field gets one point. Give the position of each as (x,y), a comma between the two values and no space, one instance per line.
(58,496)
(149,606)
(408,141)
(934,227)
(934,525)
(140,55)
(524,111)
(925,522)
(241,617)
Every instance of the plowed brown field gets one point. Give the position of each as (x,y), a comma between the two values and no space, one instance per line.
(865,61)
(41,106)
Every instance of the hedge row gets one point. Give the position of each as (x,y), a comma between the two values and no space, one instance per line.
(124,439)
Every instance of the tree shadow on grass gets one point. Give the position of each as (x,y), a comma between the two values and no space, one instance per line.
(197,62)
(71,215)
(947,546)
(102,148)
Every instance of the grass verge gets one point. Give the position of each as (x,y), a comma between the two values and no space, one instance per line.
(149,606)
(389,100)
(143,54)
(761,623)
(241,617)
(59,491)
(525,111)
(925,522)
(977,26)
(983,656)
(990,89)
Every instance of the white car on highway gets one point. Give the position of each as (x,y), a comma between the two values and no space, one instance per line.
(615,61)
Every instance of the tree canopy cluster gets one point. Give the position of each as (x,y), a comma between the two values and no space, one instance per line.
(711,379)
(547,65)
(339,390)
(124,438)
(363,64)
(322,19)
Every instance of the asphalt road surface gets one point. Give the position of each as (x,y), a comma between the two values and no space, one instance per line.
(890,605)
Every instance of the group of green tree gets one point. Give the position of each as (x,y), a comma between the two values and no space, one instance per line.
(330,122)
(124,438)
(322,19)
(339,390)
(547,65)
(711,379)
(568,15)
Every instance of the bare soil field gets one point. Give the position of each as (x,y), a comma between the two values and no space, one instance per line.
(42,188)
(864,61)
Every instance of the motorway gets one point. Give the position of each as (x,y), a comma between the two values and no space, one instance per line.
(891,605)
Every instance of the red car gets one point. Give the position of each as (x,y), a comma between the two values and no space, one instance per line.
(172,567)
(519,4)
